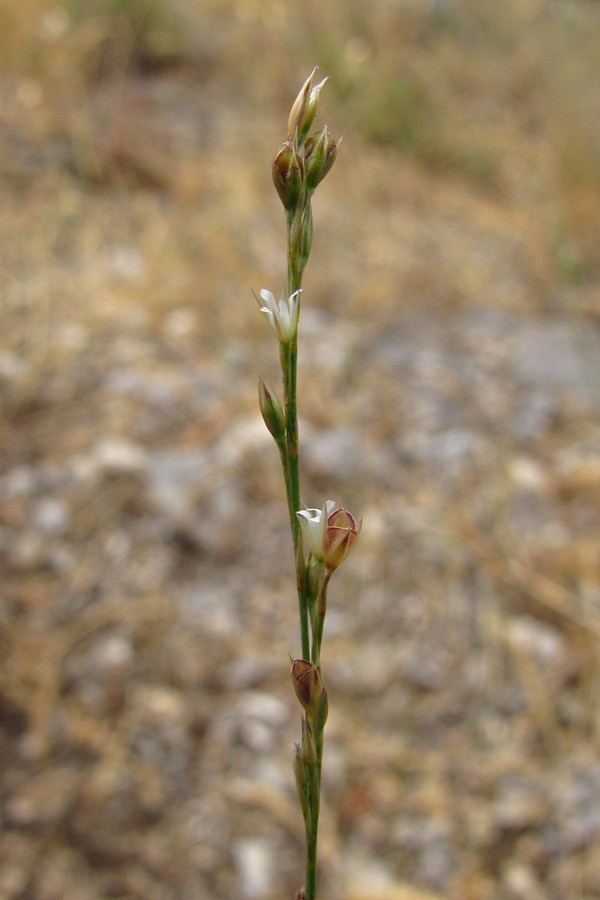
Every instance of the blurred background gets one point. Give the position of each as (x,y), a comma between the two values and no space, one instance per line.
(449,391)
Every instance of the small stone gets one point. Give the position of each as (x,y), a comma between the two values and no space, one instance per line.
(260,716)
(28,552)
(180,323)
(254,858)
(18,482)
(107,660)
(527,474)
(125,263)
(521,881)
(520,804)
(543,642)
(120,457)
(334,453)
(11,366)
(51,516)
(245,672)
(43,799)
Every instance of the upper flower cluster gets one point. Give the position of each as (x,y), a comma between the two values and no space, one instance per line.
(329,533)
(303,161)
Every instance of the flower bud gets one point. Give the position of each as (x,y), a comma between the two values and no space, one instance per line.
(320,152)
(304,109)
(272,412)
(288,175)
(339,536)
(298,110)
(302,779)
(311,111)
(301,235)
(310,690)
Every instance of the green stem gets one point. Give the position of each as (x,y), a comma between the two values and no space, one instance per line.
(289,366)
(312,819)
(299,235)
(290,458)
(320,619)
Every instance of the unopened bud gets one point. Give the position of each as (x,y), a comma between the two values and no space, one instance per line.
(304,109)
(298,110)
(307,681)
(288,175)
(311,111)
(301,234)
(272,412)
(320,152)
(339,536)
(310,690)
(302,779)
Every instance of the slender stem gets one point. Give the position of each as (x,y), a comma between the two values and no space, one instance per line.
(289,366)
(311,864)
(312,823)
(290,458)
(320,619)
(299,239)
(312,820)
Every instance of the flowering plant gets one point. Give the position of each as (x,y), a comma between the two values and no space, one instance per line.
(322,538)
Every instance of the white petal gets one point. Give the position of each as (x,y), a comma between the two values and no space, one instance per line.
(268,297)
(311,515)
(311,523)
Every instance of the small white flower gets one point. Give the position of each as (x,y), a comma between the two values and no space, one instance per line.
(312,523)
(282,316)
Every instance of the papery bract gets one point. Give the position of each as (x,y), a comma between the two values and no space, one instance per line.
(272,411)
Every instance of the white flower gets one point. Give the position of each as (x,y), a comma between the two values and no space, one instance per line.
(312,523)
(282,316)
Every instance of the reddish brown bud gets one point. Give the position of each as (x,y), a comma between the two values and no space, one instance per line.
(341,532)
(288,175)
(310,690)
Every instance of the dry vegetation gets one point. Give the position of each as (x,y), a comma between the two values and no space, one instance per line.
(450,384)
